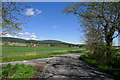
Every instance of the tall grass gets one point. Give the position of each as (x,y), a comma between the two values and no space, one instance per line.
(19,71)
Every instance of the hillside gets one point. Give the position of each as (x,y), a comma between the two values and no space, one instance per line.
(10,39)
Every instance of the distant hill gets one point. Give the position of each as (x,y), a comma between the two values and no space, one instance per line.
(10,39)
(51,41)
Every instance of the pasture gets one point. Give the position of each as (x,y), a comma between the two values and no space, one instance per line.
(27,51)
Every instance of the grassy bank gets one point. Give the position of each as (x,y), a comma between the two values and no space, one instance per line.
(108,69)
(20,58)
(18,71)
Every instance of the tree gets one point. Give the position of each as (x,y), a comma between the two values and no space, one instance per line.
(105,16)
(12,17)
(94,39)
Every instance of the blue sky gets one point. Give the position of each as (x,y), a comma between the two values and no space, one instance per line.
(51,23)
(47,22)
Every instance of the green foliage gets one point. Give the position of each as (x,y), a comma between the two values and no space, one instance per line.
(105,54)
(18,71)
(100,20)
(109,69)
(106,49)
(11,22)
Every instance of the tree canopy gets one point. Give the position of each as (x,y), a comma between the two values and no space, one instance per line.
(101,16)
(12,17)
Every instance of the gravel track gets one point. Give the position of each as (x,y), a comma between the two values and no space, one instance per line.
(67,67)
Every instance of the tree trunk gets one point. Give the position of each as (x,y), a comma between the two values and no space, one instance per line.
(109,43)
(108,55)
(109,40)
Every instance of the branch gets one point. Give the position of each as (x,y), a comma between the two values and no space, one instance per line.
(116,35)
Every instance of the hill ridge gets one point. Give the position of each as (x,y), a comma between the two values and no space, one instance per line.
(11,39)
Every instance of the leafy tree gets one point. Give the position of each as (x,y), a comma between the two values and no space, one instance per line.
(101,22)
(105,16)
(12,16)
(94,39)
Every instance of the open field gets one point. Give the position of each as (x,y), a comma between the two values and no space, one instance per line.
(26,51)
(21,58)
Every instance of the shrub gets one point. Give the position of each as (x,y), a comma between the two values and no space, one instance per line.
(109,69)
(105,54)
(107,49)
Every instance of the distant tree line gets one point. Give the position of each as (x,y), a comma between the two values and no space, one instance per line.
(8,41)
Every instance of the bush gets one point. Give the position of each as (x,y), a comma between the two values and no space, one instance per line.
(106,49)
(109,69)
(105,54)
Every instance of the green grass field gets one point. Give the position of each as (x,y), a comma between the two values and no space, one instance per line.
(27,53)
(24,51)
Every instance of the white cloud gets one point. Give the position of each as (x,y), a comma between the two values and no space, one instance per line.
(54,26)
(30,12)
(9,35)
(27,33)
(15,36)
(32,36)
(33,33)
(26,38)
(20,34)
(38,11)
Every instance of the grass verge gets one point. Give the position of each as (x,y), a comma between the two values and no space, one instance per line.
(18,71)
(20,58)
(108,69)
